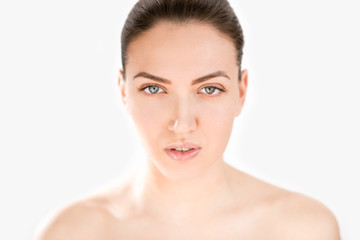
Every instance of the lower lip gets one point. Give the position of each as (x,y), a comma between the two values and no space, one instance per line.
(182,156)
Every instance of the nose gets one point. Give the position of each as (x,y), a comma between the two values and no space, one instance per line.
(183,118)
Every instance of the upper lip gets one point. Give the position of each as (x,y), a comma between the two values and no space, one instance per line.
(182,145)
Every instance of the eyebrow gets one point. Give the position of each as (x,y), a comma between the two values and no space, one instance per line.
(195,81)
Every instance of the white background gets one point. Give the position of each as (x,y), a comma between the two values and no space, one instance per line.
(64,133)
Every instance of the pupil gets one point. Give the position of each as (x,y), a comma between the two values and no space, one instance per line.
(152,89)
(211,91)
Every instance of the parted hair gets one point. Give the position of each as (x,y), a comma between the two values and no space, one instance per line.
(146,13)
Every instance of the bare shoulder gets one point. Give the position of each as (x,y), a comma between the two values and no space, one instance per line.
(85,219)
(290,215)
(301,217)
(95,217)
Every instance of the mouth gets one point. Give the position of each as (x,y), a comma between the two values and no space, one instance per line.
(182,155)
(182,145)
(182,151)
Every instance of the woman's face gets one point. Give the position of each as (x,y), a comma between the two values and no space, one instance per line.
(180,110)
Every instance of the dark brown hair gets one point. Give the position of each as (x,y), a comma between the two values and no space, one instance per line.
(146,13)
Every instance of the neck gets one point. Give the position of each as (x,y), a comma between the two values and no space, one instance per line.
(201,196)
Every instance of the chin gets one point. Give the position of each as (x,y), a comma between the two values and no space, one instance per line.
(180,171)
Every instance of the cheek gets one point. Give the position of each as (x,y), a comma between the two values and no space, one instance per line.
(148,115)
(217,122)
(218,114)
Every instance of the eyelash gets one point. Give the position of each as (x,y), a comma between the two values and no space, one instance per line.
(154,85)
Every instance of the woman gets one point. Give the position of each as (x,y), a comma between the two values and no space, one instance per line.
(182,84)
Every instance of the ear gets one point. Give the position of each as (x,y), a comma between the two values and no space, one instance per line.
(122,85)
(242,90)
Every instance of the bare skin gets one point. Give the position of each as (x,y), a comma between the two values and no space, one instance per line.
(204,198)
(258,211)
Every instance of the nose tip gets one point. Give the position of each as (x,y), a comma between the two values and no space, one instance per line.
(181,127)
(173,126)
(183,123)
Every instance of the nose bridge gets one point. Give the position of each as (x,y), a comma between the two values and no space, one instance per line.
(183,117)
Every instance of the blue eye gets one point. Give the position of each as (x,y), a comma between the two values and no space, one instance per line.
(153,89)
(210,90)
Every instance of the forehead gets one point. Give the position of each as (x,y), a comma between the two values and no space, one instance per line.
(191,49)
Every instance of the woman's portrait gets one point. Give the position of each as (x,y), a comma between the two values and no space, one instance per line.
(189,119)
